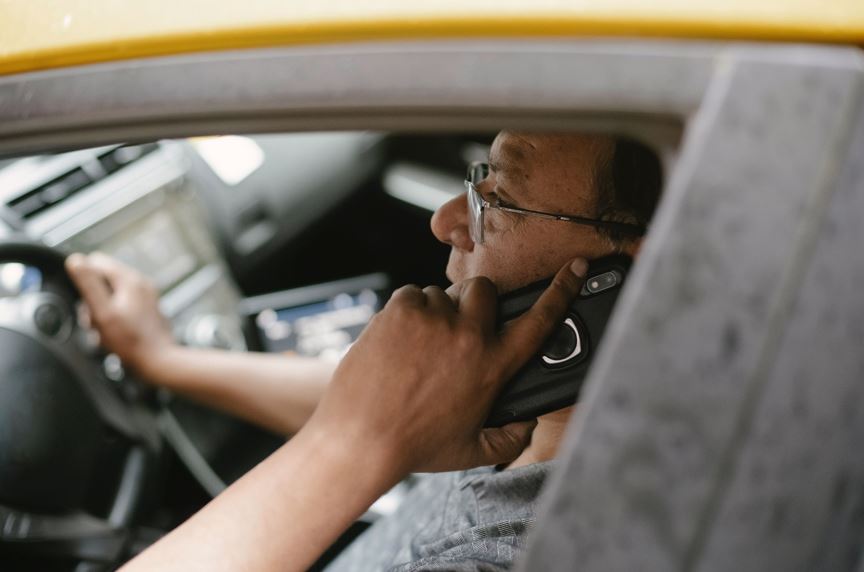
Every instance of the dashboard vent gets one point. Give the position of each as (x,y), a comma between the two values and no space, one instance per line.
(117,158)
(33,202)
(58,189)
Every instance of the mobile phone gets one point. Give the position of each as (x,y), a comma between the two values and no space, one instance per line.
(553,378)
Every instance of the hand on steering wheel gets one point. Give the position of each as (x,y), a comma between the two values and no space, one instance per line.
(123,306)
(56,409)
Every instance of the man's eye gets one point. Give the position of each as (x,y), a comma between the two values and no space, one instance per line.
(487,196)
(499,202)
(493,199)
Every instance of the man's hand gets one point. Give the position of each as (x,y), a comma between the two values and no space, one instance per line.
(416,388)
(411,395)
(124,308)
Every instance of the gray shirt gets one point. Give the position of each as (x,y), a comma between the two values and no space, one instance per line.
(461,521)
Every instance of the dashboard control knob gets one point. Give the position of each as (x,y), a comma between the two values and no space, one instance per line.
(112,367)
(50,319)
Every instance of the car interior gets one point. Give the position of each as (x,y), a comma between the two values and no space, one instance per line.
(272,170)
(277,242)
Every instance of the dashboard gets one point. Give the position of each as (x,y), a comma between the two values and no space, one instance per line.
(147,205)
(199,217)
(164,209)
(138,204)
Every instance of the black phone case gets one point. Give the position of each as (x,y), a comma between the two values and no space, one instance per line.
(544,385)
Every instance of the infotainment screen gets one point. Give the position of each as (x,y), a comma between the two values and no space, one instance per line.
(322,320)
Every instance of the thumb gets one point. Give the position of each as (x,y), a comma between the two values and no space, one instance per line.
(503,444)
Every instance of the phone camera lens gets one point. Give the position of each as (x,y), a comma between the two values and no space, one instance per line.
(602,282)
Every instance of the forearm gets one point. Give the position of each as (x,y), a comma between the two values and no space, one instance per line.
(379,420)
(280,516)
(275,391)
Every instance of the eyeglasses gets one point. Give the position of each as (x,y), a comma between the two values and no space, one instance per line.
(477,205)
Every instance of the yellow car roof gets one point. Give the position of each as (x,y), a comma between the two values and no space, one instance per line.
(41,34)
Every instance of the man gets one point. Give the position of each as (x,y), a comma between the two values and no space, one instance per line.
(455,521)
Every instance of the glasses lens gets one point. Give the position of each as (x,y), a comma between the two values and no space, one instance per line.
(475,213)
(477,172)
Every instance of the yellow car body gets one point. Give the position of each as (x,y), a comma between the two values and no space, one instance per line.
(43,34)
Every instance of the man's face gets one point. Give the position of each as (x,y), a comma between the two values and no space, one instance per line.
(544,172)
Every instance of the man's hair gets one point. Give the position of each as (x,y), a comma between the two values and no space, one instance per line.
(629,181)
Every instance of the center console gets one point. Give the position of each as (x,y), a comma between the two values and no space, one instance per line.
(138,204)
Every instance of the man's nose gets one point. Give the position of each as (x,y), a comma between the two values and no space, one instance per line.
(450,223)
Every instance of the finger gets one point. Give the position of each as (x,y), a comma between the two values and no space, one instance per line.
(478,301)
(90,283)
(83,316)
(116,272)
(436,298)
(455,291)
(504,444)
(409,294)
(525,335)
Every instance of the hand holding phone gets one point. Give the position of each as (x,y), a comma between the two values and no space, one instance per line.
(553,378)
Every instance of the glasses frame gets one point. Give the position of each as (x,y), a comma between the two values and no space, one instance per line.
(477,205)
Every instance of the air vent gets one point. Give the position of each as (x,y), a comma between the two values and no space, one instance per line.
(71,182)
(51,193)
(117,158)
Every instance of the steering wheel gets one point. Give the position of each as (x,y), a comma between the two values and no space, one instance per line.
(58,414)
